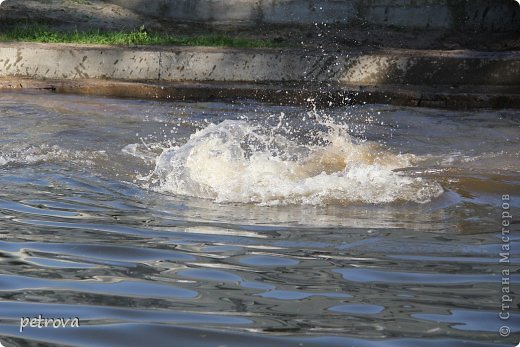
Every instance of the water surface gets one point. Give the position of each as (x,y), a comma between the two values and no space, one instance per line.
(248,224)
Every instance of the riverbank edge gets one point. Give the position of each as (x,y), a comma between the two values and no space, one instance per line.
(474,97)
(424,78)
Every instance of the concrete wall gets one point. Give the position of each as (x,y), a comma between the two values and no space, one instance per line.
(191,64)
(485,15)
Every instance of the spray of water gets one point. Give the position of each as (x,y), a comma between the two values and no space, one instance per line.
(318,162)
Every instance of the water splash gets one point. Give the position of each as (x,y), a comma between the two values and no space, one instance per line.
(238,161)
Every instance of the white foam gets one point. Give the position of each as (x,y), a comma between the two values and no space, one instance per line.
(44,153)
(235,161)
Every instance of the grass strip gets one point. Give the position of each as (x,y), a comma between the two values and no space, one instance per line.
(128,38)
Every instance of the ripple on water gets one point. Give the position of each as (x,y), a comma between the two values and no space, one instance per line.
(299,295)
(267,261)
(121,288)
(21,208)
(257,285)
(400,277)
(357,309)
(471,320)
(210,275)
(99,313)
(53,263)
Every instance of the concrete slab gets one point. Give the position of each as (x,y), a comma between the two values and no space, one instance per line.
(450,71)
(258,65)
(75,62)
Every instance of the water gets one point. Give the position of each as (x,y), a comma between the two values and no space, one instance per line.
(248,224)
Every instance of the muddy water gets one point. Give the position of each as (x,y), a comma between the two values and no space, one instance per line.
(248,224)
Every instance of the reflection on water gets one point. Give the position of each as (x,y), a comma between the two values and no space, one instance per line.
(131,215)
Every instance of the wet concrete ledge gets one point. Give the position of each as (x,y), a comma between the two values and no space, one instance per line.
(309,94)
(453,79)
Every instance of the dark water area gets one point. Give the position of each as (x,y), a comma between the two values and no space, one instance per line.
(248,224)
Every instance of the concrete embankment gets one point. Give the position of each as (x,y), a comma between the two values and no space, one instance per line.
(456,79)
(476,15)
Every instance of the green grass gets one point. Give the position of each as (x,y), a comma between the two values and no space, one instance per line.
(128,38)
